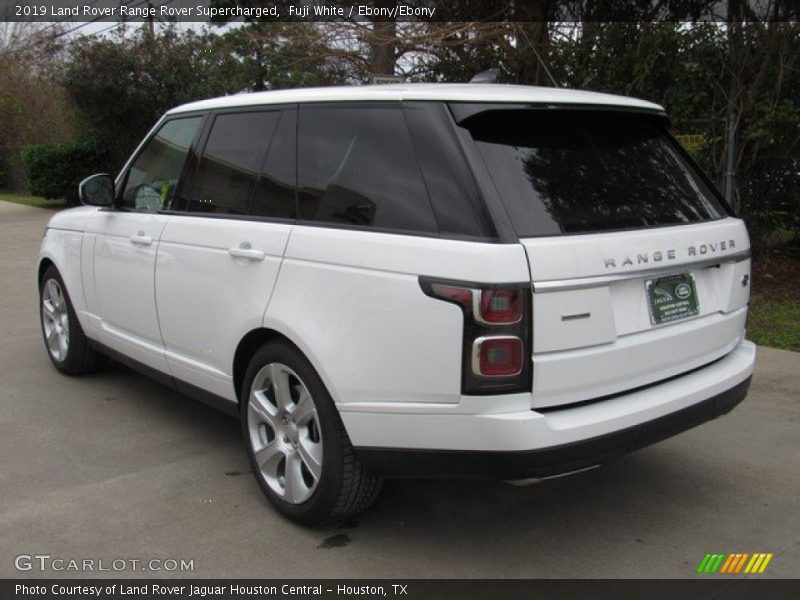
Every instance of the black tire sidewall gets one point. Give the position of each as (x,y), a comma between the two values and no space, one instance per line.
(323,501)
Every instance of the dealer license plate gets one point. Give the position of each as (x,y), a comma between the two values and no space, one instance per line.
(671,298)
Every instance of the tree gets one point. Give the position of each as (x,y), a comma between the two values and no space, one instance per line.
(34,108)
(276,55)
(123,84)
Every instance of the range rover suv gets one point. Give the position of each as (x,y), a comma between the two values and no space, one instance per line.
(411,281)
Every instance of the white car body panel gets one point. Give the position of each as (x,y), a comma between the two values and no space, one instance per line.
(325,301)
(208,300)
(125,248)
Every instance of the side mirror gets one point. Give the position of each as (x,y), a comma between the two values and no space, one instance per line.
(97,190)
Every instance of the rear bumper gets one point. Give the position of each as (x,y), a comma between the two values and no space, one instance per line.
(525,444)
(546,462)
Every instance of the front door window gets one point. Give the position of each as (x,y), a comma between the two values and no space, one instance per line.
(153,177)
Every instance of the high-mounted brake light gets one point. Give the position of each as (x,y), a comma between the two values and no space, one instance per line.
(496,347)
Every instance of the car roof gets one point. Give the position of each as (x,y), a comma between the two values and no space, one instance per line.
(445,92)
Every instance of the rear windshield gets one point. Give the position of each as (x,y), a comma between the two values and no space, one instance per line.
(561,172)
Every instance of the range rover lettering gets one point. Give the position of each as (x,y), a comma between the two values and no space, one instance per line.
(431,280)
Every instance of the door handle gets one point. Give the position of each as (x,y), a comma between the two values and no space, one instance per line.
(140,239)
(245,250)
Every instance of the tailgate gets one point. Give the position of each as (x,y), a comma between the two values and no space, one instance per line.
(596,331)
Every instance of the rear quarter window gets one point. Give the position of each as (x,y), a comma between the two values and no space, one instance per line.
(357,167)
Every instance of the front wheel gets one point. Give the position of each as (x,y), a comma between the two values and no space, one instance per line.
(67,346)
(297,446)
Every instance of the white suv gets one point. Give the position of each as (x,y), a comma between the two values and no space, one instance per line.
(422,281)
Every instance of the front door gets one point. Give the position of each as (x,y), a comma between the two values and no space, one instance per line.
(126,240)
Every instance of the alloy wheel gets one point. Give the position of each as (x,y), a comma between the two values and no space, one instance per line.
(285,433)
(55,320)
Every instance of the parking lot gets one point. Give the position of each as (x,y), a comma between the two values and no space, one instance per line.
(114,466)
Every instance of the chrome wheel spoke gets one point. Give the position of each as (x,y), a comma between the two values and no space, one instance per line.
(296,490)
(52,341)
(304,411)
(51,290)
(268,458)
(263,408)
(48,309)
(311,454)
(62,345)
(280,387)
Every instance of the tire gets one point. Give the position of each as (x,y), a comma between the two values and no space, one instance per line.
(298,448)
(65,342)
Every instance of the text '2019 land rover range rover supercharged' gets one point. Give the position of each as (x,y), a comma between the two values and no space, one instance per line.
(423,280)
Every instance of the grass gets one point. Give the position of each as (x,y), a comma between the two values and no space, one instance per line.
(32,201)
(774,321)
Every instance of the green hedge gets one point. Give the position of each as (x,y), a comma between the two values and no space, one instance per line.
(55,170)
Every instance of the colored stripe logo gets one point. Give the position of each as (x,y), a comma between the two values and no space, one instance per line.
(737,562)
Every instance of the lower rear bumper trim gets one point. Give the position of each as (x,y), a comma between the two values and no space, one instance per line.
(546,462)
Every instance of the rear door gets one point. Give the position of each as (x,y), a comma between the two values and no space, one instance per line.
(639,273)
(221,251)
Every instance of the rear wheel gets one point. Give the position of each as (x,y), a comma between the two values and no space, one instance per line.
(298,448)
(66,344)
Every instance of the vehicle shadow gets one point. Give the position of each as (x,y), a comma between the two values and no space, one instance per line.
(635,503)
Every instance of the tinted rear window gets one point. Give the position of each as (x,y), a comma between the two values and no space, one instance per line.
(356,166)
(233,156)
(573,171)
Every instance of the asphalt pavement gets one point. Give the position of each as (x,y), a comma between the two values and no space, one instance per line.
(115,466)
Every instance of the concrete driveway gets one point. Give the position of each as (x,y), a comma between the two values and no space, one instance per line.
(116,466)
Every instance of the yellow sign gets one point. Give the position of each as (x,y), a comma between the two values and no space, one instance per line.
(691,141)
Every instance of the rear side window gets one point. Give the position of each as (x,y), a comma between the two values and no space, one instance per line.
(275,191)
(574,171)
(456,202)
(153,176)
(356,166)
(229,168)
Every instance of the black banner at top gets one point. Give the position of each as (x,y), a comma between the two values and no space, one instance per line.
(396,10)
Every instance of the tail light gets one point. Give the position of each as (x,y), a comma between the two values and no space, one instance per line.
(498,356)
(499,307)
(496,347)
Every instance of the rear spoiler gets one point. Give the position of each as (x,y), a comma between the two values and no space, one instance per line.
(463,111)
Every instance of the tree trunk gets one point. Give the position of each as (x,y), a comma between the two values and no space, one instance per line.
(734,98)
(383,43)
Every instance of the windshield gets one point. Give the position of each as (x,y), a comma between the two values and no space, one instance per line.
(571,171)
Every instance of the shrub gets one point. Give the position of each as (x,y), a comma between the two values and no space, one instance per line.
(55,170)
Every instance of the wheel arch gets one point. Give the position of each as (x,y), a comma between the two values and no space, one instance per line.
(44,263)
(251,343)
